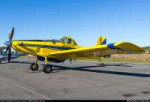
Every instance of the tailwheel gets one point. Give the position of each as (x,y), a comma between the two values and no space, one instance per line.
(102,64)
(34,66)
(47,69)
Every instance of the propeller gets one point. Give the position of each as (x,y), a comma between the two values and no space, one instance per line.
(9,44)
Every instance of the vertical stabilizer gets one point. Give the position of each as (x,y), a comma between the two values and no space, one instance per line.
(101,41)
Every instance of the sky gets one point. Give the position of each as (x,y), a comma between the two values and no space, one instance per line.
(83,20)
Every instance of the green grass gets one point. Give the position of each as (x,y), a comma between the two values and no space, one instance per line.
(125,60)
(117,60)
(147,47)
(92,59)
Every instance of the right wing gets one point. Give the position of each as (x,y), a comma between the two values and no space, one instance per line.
(99,51)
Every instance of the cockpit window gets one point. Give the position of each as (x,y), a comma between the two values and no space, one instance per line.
(63,39)
(68,41)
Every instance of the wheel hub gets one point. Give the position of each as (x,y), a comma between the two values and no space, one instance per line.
(48,68)
(34,66)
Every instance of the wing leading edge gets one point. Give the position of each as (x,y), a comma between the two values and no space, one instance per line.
(99,50)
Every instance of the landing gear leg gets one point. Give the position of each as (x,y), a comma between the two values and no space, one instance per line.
(101,64)
(47,68)
(34,66)
(70,61)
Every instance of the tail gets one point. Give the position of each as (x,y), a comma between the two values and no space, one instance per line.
(101,41)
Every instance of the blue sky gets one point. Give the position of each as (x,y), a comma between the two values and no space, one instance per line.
(83,20)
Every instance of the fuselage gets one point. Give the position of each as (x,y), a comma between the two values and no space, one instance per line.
(41,48)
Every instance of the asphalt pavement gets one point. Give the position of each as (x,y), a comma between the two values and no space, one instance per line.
(77,81)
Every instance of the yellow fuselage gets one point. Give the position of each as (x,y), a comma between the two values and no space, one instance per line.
(41,48)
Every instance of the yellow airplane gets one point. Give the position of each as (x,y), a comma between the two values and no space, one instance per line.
(66,48)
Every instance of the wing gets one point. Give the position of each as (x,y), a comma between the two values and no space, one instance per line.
(99,50)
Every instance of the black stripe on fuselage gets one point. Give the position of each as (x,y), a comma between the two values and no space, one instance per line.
(41,40)
(48,46)
(45,46)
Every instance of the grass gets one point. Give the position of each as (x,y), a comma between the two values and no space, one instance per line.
(131,58)
(147,47)
(104,60)
(128,58)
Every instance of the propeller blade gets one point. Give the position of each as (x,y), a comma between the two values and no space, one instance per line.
(8,43)
(7,49)
(11,34)
(9,55)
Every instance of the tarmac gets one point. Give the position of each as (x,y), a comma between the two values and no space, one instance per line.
(77,81)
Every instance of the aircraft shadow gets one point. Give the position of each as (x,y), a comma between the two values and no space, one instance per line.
(119,65)
(22,62)
(86,69)
(102,71)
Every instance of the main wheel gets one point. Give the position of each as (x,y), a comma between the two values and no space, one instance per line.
(47,69)
(34,66)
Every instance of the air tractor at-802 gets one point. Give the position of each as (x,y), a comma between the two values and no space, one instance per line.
(66,48)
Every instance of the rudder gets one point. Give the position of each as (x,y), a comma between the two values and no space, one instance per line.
(101,41)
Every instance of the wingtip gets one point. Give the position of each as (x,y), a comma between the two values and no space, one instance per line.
(129,46)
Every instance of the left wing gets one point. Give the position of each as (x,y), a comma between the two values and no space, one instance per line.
(99,50)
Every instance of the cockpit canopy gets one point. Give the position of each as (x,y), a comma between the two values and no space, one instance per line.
(68,40)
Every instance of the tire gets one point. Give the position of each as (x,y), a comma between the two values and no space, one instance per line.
(34,66)
(102,65)
(47,69)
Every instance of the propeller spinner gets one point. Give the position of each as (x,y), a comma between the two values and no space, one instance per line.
(9,44)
